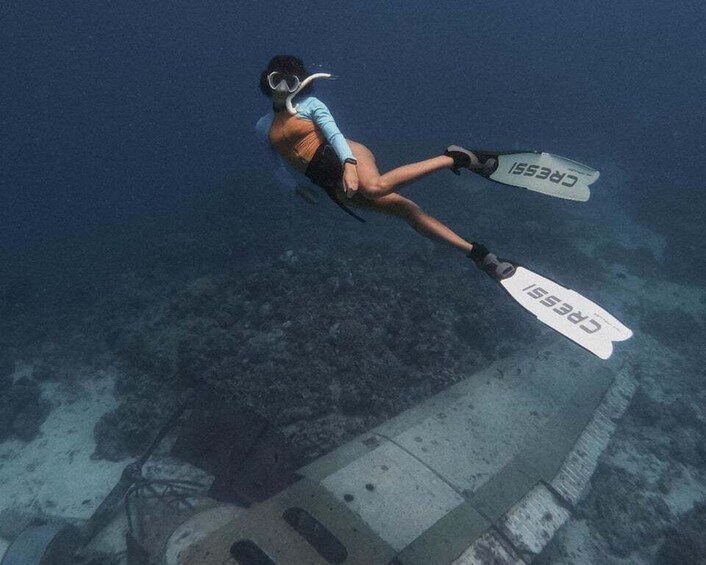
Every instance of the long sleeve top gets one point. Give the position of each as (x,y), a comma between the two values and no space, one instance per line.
(292,141)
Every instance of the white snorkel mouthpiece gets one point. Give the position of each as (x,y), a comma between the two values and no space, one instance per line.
(291,108)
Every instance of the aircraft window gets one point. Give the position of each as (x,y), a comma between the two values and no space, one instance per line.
(313,531)
(246,552)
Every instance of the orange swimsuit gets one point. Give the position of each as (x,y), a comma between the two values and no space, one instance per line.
(307,146)
(295,139)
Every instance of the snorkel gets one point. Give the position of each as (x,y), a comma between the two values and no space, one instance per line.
(291,108)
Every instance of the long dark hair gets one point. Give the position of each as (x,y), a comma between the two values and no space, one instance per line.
(287,64)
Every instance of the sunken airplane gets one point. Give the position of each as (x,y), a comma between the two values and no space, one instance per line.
(483,472)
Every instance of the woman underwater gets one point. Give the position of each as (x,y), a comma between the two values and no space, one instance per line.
(310,143)
(306,138)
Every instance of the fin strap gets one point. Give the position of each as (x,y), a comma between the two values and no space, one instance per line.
(497,268)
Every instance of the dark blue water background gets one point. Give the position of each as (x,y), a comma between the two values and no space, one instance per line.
(116,110)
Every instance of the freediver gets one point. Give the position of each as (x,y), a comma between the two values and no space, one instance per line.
(306,144)
(304,139)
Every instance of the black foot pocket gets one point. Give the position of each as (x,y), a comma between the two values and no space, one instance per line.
(497,268)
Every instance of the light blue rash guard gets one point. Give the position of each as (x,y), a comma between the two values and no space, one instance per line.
(300,140)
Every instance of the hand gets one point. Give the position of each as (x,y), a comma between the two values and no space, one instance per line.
(350,179)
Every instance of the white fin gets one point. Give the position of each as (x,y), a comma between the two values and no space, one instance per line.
(546,173)
(567,312)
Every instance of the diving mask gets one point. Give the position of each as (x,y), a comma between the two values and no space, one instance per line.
(289,83)
(283,82)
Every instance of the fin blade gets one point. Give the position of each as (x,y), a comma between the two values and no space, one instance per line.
(546,173)
(567,312)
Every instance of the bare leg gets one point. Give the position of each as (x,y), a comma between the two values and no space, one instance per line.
(374,185)
(423,223)
(396,205)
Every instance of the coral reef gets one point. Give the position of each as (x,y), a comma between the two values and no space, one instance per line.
(623,512)
(322,346)
(674,328)
(686,542)
(22,409)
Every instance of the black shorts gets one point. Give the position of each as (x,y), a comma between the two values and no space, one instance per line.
(325,169)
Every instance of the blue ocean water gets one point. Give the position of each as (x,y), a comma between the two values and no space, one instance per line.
(115,111)
(133,190)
